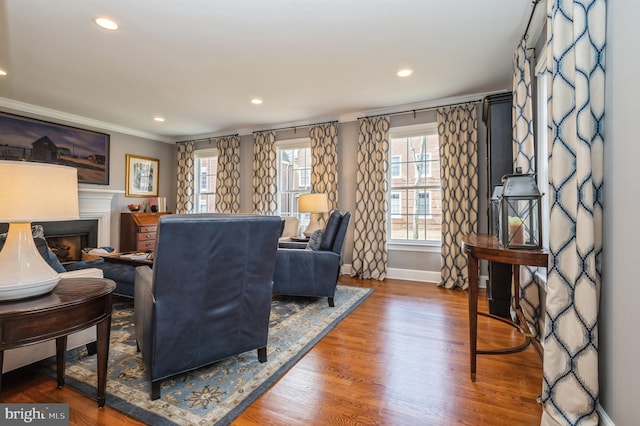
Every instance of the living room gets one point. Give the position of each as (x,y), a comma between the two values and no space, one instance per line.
(419,265)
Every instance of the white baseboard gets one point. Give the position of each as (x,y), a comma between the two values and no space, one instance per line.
(605,420)
(414,275)
(403,274)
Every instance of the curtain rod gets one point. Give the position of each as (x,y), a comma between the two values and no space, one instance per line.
(477,101)
(209,139)
(293,127)
(534,3)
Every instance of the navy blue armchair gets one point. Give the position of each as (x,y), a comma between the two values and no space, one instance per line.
(208,296)
(313,272)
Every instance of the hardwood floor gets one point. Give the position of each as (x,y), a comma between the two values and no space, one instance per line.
(401,358)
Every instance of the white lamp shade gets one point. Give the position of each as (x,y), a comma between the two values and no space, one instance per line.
(313,203)
(31,192)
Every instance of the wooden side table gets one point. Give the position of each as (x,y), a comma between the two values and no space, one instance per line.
(75,304)
(489,248)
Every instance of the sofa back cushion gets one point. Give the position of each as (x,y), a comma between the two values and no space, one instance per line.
(290,228)
(331,230)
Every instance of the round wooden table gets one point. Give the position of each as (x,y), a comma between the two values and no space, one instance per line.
(73,305)
(488,247)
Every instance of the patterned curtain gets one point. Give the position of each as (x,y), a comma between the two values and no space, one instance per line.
(228,178)
(264,173)
(186,188)
(522,112)
(457,129)
(531,295)
(576,39)
(370,216)
(324,163)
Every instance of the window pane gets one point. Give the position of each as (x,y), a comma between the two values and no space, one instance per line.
(206,170)
(294,178)
(414,189)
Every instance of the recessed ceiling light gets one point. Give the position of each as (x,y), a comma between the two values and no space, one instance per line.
(405,72)
(160,119)
(106,23)
(3,72)
(256,101)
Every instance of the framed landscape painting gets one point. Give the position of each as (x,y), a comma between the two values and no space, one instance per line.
(28,139)
(141,176)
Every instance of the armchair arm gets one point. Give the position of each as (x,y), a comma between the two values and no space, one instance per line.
(306,272)
(144,302)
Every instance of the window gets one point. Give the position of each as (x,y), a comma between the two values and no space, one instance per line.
(424,160)
(396,171)
(305,178)
(395,206)
(294,176)
(415,214)
(423,206)
(206,170)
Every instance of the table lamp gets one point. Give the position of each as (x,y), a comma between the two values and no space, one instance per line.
(32,192)
(314,204)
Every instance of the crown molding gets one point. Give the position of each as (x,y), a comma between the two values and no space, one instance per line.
(77,119)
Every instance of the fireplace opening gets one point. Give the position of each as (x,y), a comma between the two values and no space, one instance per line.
(68,248)
(67,238)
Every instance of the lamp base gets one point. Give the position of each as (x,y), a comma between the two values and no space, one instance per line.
(313,226)
(24,272)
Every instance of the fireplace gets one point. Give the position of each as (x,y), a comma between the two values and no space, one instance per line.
(67,238)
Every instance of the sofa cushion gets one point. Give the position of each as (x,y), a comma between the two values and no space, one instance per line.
(290,228)
(331,230)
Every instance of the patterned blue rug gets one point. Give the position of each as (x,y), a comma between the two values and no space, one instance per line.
(213,395)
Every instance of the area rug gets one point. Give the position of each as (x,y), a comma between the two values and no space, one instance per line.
(213,395)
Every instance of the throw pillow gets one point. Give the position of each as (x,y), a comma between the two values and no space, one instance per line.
(314,240)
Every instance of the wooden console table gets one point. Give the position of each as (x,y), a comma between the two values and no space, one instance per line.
(73,305)
(487,247)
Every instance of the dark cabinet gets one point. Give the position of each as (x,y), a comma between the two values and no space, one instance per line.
(138,231)
(496,114)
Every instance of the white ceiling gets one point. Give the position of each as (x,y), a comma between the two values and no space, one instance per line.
(199,62)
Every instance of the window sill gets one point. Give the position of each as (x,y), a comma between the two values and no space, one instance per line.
(434,247)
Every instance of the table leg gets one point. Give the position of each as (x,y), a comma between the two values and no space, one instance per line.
(61,359)
(516,287)
(1,367)
(473,312)
(103,329)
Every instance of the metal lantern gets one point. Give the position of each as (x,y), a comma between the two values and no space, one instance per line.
(494,211)
(520,212)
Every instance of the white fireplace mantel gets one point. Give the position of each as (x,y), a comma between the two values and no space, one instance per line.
(96,204)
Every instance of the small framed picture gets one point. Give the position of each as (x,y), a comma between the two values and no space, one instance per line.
(142,176)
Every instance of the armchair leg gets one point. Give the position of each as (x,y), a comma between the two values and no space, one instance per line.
(262,354)
(331,303)
(155,390)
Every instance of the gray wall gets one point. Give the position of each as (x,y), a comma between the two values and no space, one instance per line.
(620,291)
(120,145)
